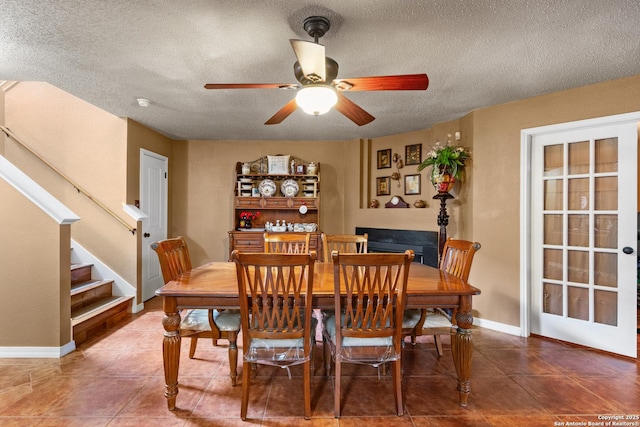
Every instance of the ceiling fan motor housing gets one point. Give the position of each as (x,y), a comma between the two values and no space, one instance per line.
(331,68)
(316,26)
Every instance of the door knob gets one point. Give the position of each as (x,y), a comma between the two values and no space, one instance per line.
(146,235)
(627,250)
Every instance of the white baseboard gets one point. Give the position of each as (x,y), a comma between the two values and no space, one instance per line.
(37,352)
(496,326)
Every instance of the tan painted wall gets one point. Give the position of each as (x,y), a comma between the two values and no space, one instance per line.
(203,180)
(90,146)
(459,209)
(2,122)
(35,280)
(138,137)
(496,189)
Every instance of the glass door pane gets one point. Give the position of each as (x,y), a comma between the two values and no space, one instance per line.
(580,220)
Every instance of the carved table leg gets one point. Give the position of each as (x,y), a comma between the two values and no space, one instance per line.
(462,349)
(171,350)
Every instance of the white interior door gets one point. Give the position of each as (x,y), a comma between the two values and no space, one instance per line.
(583,226)
(153,202)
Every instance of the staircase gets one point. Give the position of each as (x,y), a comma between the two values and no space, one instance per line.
(93,305)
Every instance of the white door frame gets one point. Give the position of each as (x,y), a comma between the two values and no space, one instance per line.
(526,142)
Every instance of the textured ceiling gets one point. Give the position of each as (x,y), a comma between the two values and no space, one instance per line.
(475,52)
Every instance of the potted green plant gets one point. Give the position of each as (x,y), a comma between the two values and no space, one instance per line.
(447,165)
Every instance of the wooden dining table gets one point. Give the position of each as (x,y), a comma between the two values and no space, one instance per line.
(214,285)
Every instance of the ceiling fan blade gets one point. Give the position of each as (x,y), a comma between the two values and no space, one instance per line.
(400,82)
(353,111)
(250,86)
(283,113)
(311,59)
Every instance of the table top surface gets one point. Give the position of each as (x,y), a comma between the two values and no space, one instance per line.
(218,279)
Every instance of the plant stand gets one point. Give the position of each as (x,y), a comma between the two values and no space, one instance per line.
(443,220)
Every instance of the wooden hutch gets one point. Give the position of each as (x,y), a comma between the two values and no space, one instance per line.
(281,189)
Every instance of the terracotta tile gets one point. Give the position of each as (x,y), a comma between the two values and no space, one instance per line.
(367,397)
(502,396)
(295,421)
(56,422)
(559,395)
(519,362)
(222,400)
(222,422)
(117,379)
(582,362)
(620,391)
(473,420)
(522,420)
(433,396)
(38,399)
(286,398)
(391,420)
(147,421)
(151,399)
(104,397)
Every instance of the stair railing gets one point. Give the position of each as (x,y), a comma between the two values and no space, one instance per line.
(66,178)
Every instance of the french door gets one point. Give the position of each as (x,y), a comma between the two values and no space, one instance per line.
(583,228)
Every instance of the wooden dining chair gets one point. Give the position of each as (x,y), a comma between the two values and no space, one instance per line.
(174,258)
(370,294)
(278,328)
(287,243)
(344,243)
(457,257)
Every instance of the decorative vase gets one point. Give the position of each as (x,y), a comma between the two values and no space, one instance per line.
(442,178)
(247,223)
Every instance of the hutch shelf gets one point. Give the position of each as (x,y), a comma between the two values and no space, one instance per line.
(284,198)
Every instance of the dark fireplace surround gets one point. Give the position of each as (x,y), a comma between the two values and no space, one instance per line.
(423,243)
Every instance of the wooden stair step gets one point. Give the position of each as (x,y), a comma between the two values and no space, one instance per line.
(77,288)
(96,308)
(80,273)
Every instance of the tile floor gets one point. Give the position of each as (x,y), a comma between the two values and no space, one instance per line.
(117,380)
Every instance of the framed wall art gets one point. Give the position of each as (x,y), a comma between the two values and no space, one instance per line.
(384,158)
(383,186)
(413,154)
(412,184)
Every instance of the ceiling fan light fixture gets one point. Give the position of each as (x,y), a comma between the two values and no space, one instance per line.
(316,99)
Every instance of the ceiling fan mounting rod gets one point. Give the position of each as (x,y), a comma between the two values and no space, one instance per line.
(316,27)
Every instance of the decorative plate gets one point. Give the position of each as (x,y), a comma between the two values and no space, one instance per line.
(267,188)
(289,188)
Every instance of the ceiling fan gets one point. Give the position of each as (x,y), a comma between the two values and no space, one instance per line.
(319,89)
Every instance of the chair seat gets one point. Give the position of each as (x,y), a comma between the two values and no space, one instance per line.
(330,329)
(411,318)
(279,350)
(197,320)
(437,318)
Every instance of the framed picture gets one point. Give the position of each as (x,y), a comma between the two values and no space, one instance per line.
(412,184)
(413,154)
(384,158)
(383,186)
(278,165)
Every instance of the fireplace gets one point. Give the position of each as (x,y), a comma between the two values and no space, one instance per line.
(423,243)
